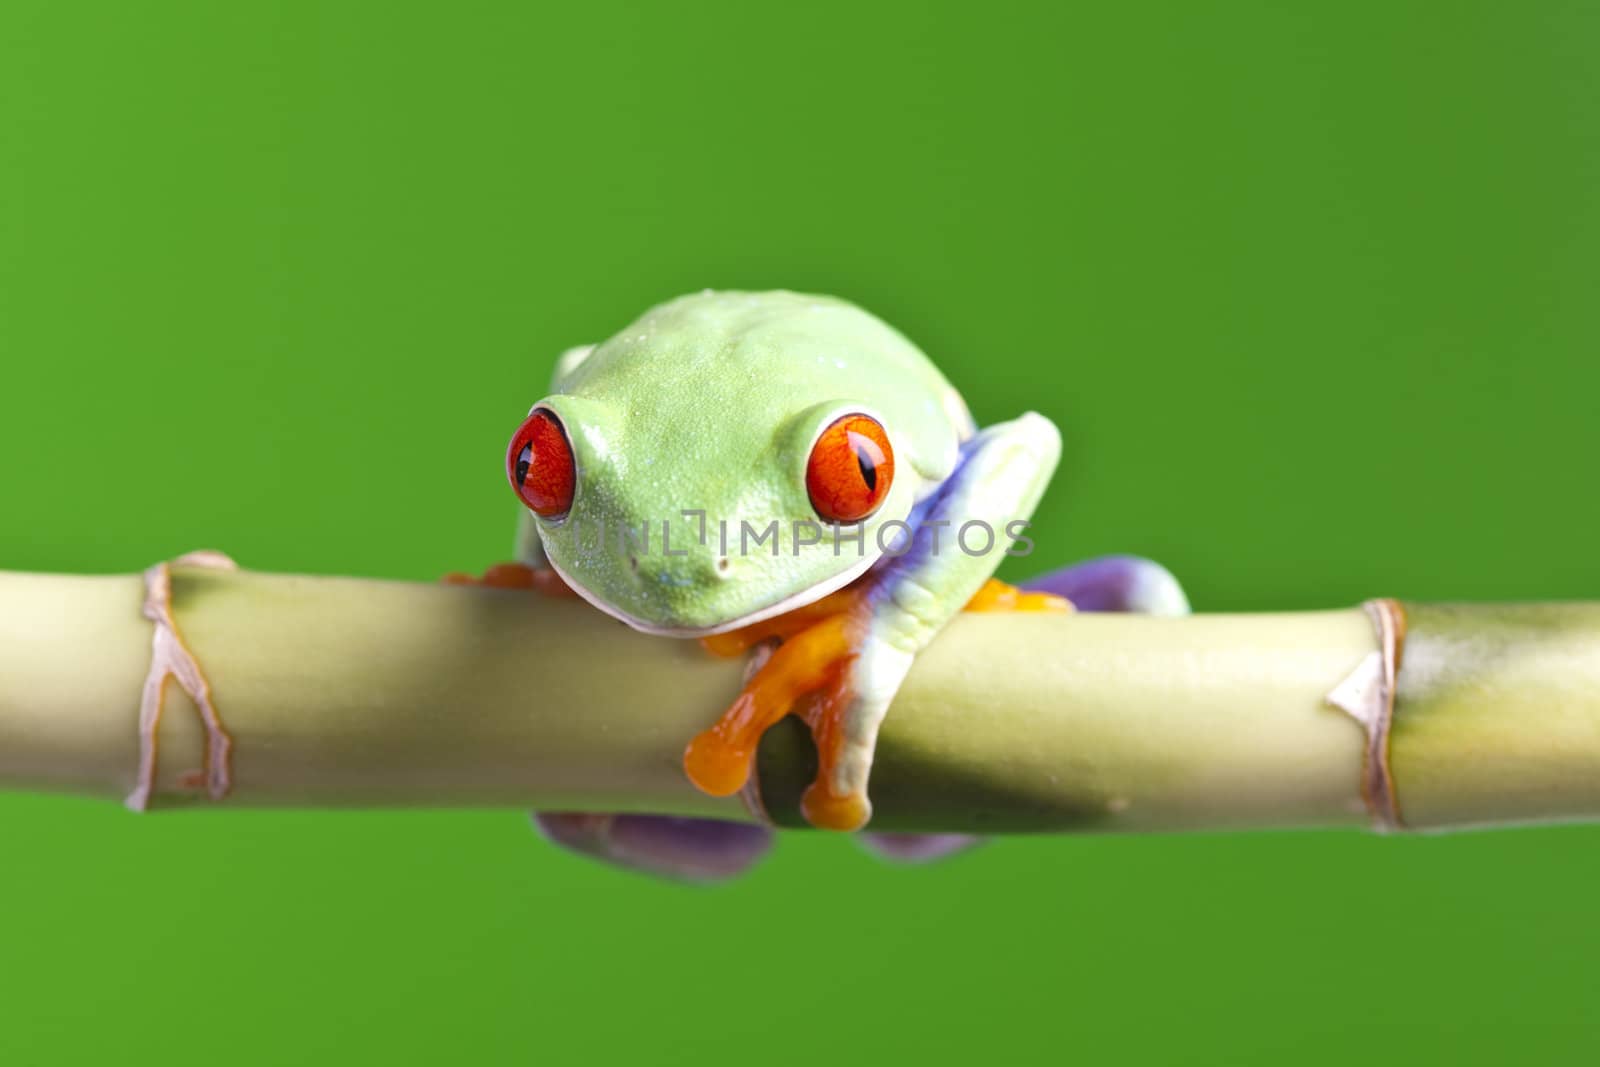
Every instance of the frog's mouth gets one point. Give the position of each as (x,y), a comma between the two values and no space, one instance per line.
(787,604)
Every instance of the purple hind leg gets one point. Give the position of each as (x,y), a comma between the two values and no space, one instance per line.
(711,850)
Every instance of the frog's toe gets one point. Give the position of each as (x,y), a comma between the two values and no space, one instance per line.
(687,850)
(844,727)
(827,810)
(837,798)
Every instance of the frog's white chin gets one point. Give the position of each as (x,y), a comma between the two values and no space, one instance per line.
(798,600)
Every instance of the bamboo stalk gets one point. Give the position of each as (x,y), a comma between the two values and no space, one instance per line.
(346,692)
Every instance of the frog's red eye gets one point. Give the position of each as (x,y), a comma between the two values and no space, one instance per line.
(850,469)
(540,466)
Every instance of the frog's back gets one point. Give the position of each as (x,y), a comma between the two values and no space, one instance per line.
(744,355)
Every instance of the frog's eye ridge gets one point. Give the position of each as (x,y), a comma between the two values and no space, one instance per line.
(540,465)
(850,469)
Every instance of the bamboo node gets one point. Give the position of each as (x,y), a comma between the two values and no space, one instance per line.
(1367,696)
(170,657)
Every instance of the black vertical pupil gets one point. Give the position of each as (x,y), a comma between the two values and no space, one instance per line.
(869,469)
(524,461)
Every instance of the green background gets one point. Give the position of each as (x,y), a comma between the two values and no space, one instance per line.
(281,279)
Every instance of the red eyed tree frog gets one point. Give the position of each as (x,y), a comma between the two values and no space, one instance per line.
(738,467)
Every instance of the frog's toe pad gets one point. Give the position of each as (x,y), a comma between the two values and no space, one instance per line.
(716,763)
(827,810)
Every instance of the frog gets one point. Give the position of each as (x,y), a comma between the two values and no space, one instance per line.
(781,475)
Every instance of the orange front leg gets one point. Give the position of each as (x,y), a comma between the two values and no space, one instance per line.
(820,644)
(719,760)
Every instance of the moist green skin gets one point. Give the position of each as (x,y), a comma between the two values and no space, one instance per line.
(712,402)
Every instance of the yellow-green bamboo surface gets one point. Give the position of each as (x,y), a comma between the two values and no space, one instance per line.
(346,692)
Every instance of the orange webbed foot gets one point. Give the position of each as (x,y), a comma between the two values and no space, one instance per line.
(718,761)
(515,576)
(812,674)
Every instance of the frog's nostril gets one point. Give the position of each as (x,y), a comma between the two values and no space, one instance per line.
(633,564)
(723,565)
